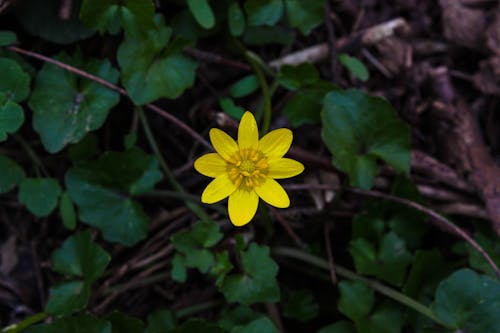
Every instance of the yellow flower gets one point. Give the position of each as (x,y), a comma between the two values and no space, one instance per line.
(246,170)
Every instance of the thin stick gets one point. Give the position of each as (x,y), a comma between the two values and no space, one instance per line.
(113,87)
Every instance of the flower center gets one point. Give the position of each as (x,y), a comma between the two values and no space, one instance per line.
(249,169)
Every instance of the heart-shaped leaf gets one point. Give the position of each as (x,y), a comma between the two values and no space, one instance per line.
(39,195)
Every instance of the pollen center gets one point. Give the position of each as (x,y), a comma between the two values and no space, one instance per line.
(249,169)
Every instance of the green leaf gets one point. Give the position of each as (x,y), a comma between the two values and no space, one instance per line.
(469,302)
(12,174)
(260,325)
(263,12)
(240,315)
(355,66)
(358,129)
(81,257)
(388,263)
(67,298)
(236,19)
(7,38)
(198,326)
(42,18)
(39,195)
(341,326)
(102,191)
(301,305)
(76,324)
(85,149)
(202,12)
(305,105)
(66,107)
(356,299)
(386,318)
(305,15)
(67,211)
(15,83)
(491,244)
(244,86)
(122,323)
(134,16)
(179,271)
(153,68)
(258,281)
(295,77)
(427,270)
(161,321)
(235,111)
(221,267)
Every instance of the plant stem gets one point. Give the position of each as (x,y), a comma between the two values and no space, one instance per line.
(265,90)
(191,310)
(348,274)
(168,173)
(27,322)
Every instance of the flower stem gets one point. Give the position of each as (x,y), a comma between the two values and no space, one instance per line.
(348,274)
(168,173)
(264,86)
(27,322)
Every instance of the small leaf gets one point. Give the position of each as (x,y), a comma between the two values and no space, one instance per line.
(386,318)
(122,323)
(7,38)
(356,299)
(236,19)
(263,12)
(221,267)
(239,315)
(244,86)
(12,174)
(305,15)
(79,256)
(469,302)
(135,16)
(355,66)
(42,18)
(260,325)
(66,298)
(153,68)
(66,107)
(15,83)
(295,77)
(179,271)
(101,189)
(39,195)
(301,305)
(258,282)
(341,326)
(358,129)
(67,211)
(11,117)
(235,111)
(202,12)
(202,235)
(491,245)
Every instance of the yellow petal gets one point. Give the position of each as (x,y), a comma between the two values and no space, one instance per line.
(248,133)
(218,189)
(210,165)
(242,206)
(276,143)
(272,193)
(284,168)
(223,144)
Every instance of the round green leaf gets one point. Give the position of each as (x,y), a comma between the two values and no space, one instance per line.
(235,111)
(11,175)
(202,12)
(355,66)
(66,107)
(134,16)
(236,19)
(305,15)
(42,18)
(11,117)
(67,211)
(263,12)
(39,195)
(356,299)
(151,69)
(358,129)
(7,38)
(295,77)
(244,86)
(67,298)
(301,305)
(15,82)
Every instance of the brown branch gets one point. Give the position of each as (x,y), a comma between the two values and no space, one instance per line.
(168,116)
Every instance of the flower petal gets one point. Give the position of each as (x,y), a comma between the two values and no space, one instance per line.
(248,133)
(276,143)
(223,144)
(272,193)
(210,165)
(284,168)
(218,189)
(242,206)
